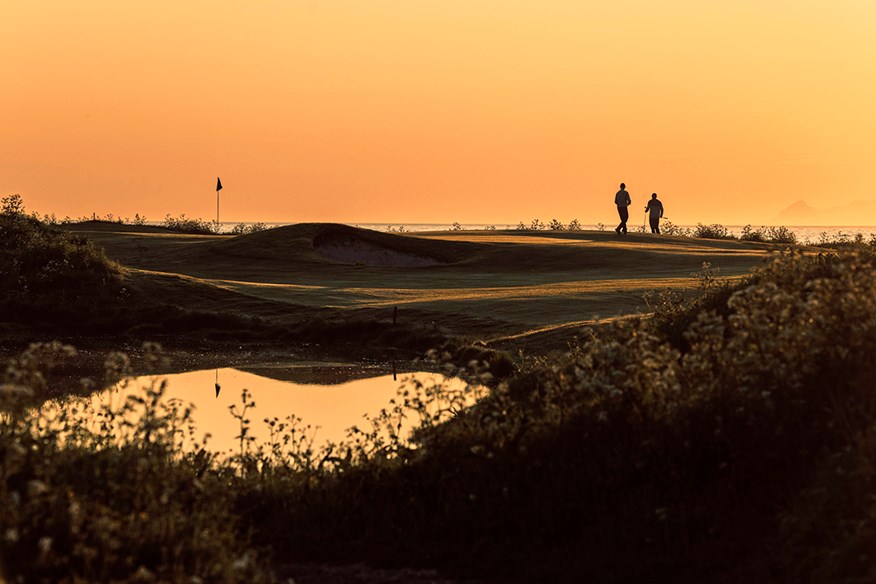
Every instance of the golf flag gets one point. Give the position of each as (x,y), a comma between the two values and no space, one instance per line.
(218,184)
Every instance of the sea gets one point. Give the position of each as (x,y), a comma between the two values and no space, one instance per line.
(806,234)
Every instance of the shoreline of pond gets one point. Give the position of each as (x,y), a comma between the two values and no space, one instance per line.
(91,355)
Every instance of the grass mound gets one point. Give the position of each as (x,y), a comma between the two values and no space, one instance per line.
(113,226)
(299,242)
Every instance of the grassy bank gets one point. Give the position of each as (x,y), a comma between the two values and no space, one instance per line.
(739,449)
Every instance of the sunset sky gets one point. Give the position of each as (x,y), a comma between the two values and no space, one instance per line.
(437,110)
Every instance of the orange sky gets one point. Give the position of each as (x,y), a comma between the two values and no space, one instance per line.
(437,110)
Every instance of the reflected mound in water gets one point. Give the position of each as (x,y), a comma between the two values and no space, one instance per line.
(322,374)
(324,411)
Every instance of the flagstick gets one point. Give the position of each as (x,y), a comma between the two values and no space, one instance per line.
(218,188)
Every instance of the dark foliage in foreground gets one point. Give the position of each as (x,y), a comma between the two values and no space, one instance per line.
(92,498)
(633,460)
(48,274)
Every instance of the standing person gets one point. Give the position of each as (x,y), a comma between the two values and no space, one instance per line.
(622,200)
(656,212)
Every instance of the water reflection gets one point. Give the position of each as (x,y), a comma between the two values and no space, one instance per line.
(330,409)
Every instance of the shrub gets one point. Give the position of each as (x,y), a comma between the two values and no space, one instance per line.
(781,234)
(749,234)
(50,270)
(574,225)
(713,231)
(768,235)
(243,228)
(667,227)
(556,225)
(194,226)
(12,205)
(844,240)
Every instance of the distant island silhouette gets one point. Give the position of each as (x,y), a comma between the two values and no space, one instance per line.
(855,213)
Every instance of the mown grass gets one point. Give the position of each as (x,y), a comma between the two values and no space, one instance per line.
(729,438)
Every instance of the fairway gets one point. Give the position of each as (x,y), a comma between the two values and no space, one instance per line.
(487,284)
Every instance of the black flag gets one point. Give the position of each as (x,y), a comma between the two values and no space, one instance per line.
(218,184)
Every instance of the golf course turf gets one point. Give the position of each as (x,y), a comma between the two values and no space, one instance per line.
(489,286)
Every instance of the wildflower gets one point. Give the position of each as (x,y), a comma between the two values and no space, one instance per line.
(16,451)
(75,511)
(36,488)
(143,575)
(12,390)
(242,563)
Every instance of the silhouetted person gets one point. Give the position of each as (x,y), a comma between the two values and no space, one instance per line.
(622,200)
(655,209)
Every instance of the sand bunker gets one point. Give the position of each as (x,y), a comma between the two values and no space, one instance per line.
(357,251)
